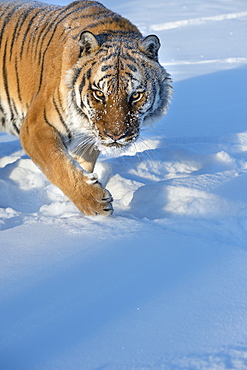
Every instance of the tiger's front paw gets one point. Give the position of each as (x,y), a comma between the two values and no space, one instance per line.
(100,202)
(94,199)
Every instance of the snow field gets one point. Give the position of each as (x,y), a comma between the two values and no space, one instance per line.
(162,283)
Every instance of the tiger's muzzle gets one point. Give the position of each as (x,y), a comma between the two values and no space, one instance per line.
(120,139)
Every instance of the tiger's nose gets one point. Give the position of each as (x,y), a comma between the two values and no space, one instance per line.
(115,136)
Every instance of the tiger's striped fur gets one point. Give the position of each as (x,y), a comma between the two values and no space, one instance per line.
(75,81)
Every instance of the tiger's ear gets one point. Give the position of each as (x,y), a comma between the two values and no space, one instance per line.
(88,43)
(150,46)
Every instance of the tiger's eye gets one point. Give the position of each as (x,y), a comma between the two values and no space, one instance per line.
(136,96)
(99,95)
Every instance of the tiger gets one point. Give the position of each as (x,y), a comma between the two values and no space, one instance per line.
(76,81)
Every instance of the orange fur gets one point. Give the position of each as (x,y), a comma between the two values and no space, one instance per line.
(67,88)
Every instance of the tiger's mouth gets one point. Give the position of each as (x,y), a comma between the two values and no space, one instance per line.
(118,140)
(120,143)
(115,146)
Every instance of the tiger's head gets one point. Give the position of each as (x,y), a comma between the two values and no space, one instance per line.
(117,87)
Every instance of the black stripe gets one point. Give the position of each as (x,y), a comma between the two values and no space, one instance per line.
(15,35)
(17,130)
(147,74)
(59,99)
(3,121)
(63,34)
(132,67)
(1,108)
(88,5)
(104,77)
(130,47)
(7,18)
(14,108)
(130,76)
(127,56)
(5,82)
(55,22)
(82,84)
(102,23)
(109,31)
(105,68)
(88,73)
(61,118)
(110,46)
(41,26)
(41,76)
(45,29)
(102,50)
(126,34)
(109,34)
(102,14)
(46,120)
(28,27)
(24,17)
(5,10)
(77,72)
(112,55)
(121,66)
(36,29)
(73,100)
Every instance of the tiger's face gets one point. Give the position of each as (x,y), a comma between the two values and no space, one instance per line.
(119,87)
(115,119)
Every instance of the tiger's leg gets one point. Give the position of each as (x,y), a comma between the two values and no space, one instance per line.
(43,144)
(88,160)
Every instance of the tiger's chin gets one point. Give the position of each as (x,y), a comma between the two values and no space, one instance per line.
(114,148)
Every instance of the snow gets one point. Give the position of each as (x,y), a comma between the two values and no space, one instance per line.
(162,283)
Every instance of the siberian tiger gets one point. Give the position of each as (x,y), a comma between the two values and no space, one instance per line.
(76,81)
